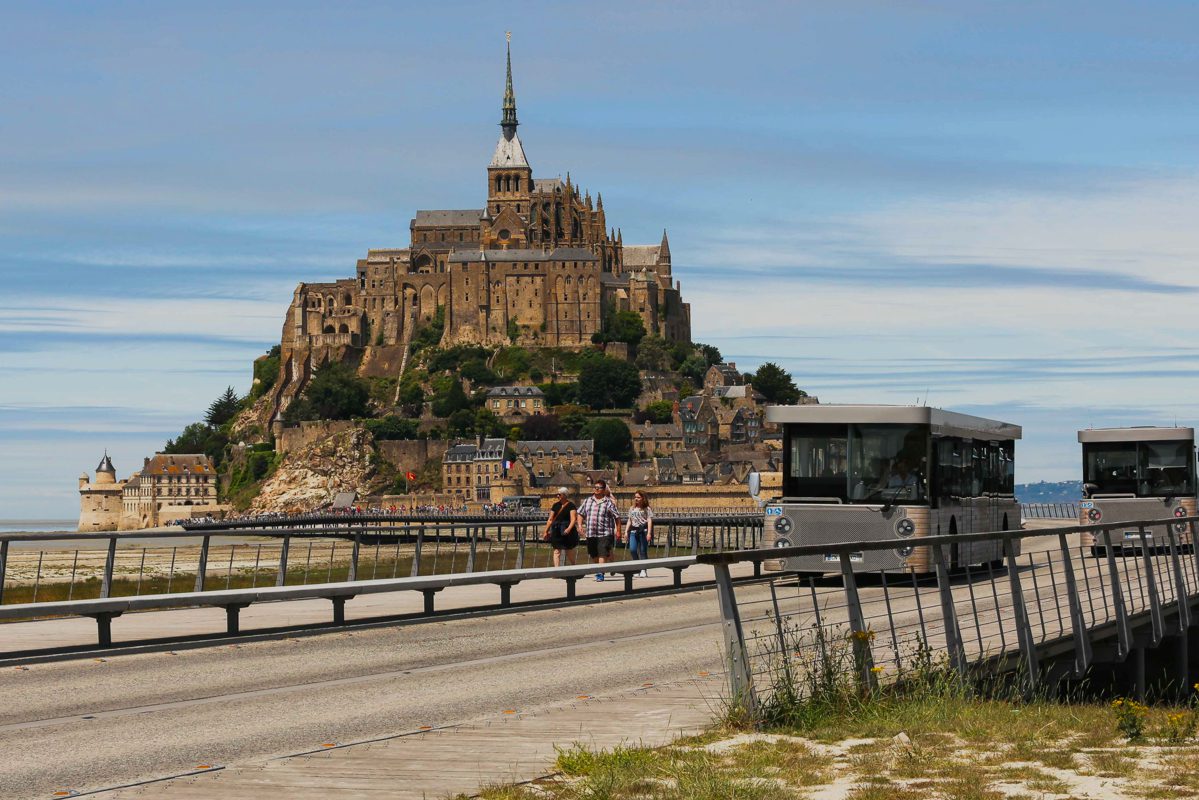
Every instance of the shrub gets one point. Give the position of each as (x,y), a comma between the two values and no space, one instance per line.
(392,427)
(335,392)
(609,383)
(1130,718)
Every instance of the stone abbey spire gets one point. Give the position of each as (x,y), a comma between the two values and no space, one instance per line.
(509,122)
(508,150)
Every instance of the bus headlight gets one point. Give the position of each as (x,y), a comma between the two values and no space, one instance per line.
(1180,527)
(905,551)
(905,527)
(1094,515)
(780,542)
(782,525)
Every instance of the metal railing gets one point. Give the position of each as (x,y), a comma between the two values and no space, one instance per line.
(1049,510)
(104,610)
(40,567)
(1049,591)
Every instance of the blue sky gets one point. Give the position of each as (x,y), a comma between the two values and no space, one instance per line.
(992,205)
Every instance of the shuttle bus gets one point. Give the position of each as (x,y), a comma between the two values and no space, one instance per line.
(890,473)
(1136,474)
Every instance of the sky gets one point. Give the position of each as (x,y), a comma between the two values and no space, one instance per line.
(990,207)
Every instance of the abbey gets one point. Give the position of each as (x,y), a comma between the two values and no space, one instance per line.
(538,265)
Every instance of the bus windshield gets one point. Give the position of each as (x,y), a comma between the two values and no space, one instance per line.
(1143,469)
(857,463)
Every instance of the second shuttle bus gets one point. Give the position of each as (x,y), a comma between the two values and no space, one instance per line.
(1134,474)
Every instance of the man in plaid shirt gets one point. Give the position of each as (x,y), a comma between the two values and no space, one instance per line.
(601,524)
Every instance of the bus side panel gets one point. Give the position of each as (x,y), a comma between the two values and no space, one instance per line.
(921,558)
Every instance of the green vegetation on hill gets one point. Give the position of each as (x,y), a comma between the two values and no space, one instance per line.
(334,392)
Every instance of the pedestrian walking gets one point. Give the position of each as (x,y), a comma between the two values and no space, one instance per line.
(601,525)
(562,528)
(641,530)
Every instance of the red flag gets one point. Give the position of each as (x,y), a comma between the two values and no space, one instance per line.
(411,476)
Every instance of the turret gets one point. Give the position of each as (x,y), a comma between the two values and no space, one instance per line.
(106,472)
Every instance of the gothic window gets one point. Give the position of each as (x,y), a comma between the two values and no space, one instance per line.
(518,188)
(499,184)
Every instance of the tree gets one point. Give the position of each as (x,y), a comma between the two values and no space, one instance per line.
(453,399)
(777,385)
(711,354)
(488,424)
(694,367)
(653,354)
(476,372)
(335,392)
(660,412)
(461,422)
(623,326)
(613,442)
(223,409)
(541,427)
(574,420)
(412,396)
(393,427)
(609,383)
(192,440)
(557,394)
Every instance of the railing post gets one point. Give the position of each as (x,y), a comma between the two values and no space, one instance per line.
(1123,632)
(202,567)
(1181,590)
(3,566)
(1082,640)
(740,676)
(859,632)
(521,534)
(284,550)
(474,546)
(420,541)
(1020,614)
(1155,605)
(110,562)
(353,573)
(953,636)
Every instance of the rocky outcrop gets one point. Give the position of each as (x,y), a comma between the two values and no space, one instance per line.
(311,476)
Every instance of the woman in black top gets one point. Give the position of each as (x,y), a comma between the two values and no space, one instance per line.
(562,528)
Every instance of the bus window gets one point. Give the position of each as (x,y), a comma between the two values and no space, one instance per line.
(887,463)
(1165,469)
(1112,467)
(818,462)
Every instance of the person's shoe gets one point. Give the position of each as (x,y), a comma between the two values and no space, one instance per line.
(599,576)
(643,573)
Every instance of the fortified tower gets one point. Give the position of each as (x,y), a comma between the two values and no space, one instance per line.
(100,501)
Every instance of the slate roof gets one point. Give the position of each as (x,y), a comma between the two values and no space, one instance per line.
(641,255)
(578,445)
(515,391)
(184,464)
(547,184)
(650,430)
(509,152)
(433,219)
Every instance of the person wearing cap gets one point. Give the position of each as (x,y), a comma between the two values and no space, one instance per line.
(562,528)
(600,524)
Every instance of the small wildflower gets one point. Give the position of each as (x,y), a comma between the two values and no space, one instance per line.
(877,670)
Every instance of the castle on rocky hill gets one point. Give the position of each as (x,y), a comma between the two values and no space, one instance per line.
(538,265)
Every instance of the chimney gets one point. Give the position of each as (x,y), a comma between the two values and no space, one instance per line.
(145,462)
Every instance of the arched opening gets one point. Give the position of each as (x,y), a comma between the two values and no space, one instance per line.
(329,304)
(347,300)
(499,183)
(329,329)
(344,328)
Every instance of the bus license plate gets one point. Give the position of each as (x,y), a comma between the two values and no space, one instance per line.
(1136,535)
(833,558)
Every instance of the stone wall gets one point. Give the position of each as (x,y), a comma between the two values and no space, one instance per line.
(100,506)
(411,454)
(305,434)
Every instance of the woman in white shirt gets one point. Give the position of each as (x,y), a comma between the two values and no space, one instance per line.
(641,530)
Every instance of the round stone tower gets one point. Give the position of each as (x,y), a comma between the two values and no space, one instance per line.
(100,501)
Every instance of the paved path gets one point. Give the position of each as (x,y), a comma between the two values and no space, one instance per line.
(507,748)
(90,724)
